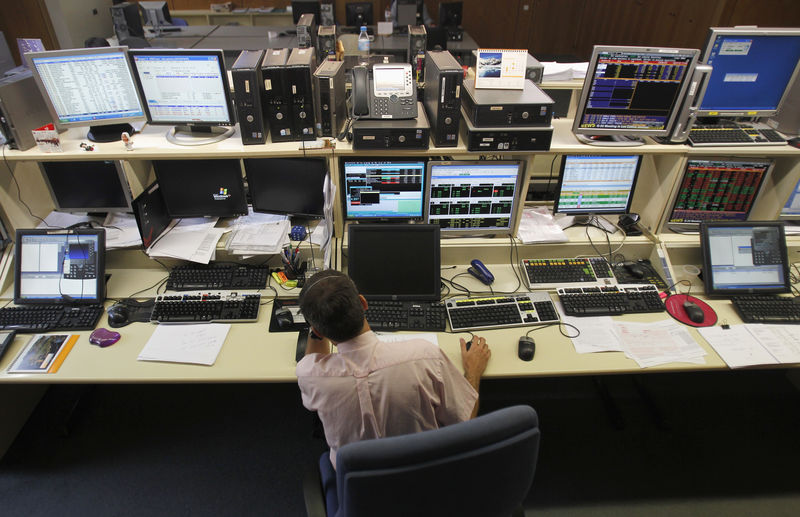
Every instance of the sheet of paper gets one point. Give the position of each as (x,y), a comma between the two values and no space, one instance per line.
(652,344)
(64,220)
(196,344)
(397,338)
(736,346)
(781,341)
(121,231)
(598,333)
(537,225)
(185,239)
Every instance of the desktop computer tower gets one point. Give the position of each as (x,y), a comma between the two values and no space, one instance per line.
(326,42)
(275,99)
(443,80)
(126,21)
(299,69)
(22,110)
(306,31)
(330,108)
(417,41)
(246,75)
(326,13)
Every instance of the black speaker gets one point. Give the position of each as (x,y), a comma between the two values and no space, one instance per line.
(126,20)
(276,101)
(330,107)
(246,74)
(443,79)
(299,67)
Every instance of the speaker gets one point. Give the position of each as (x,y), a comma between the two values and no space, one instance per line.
(330,107)
(326,42)
(443,79)
(246,74)
(275,98)
(126,21)
(306,31)
(299,68)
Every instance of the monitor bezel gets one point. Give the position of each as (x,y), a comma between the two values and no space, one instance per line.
(676,107)
(790,217)
(132,53)
(602,212)
(384,218)
(242,208)
(435,289)
(713,33)
(100,280)
(476,232)
(708,273)
(250,182)
(123,181)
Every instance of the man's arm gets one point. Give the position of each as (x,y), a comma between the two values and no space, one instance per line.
(474,361)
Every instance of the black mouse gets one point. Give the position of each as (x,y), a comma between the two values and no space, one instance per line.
(794,142)
(469,344)
(526,348)
(634,269)
(694,312)
(118,315)
(284,318)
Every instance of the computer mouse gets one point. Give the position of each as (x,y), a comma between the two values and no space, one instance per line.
(526,348)
(469,344)
(794,142)
(118,315)
(284,318)
(634,269)
(694,312)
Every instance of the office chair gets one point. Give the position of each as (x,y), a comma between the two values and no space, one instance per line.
(479,468)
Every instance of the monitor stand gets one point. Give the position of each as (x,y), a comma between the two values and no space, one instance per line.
(610,140)
(565,221)
(199,135)
(110,133)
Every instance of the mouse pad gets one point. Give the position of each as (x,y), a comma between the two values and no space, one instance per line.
(138,312)
(651,276)
(294,308)
(675,309)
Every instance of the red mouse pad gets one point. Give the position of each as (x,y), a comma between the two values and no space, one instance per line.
(675,309)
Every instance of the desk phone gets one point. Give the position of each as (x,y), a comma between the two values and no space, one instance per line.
(390,93)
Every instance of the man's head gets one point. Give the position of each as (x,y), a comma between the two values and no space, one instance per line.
(331,304)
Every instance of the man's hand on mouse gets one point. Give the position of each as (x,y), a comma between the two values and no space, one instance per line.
(475,359)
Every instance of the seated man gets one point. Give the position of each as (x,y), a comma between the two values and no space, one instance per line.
(373,389)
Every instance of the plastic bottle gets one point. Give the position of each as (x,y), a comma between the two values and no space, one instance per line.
(363,42)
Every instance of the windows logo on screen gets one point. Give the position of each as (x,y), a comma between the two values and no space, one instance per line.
(222,195)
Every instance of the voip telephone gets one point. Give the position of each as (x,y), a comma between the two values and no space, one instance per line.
(389,93)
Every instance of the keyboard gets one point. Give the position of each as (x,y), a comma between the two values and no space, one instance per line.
(610,300)
(490,312)
(46,318)
(217,276)
(406,315)
(767,309)
(554,273)
(712,135)
(206,307)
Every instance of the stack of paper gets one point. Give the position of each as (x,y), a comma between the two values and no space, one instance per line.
(259,234)
(652,344)
(198,344)
(121,231)
(749,345)
(564,71)
(193,239)
(537,225)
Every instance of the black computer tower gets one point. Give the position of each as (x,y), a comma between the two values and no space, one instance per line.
(306,31)
(330,108)
(443,80)
(276,102)
(126,20)
(299,69)
(246,74)
(326,42)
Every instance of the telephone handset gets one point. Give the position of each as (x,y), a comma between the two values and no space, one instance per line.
(390,93)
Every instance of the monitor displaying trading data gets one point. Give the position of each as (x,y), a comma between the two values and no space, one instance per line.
(379,188)
(596,184)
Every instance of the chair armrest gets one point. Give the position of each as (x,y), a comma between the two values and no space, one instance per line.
(312,493)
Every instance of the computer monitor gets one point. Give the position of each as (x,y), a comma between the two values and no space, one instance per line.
(717,189)
(409,12)
(383,188)
(753,69)
(451,14)
(395,262)
(744,258)
(155,13)
(301,7)
(197,188)
(90,186)
(630,92)
(292,186)
(187,89)
(592,185)
(59,267)
(88,87)
(479,198)
(791,210)
(358,14)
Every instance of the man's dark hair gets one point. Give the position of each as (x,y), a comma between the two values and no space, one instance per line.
(329,301)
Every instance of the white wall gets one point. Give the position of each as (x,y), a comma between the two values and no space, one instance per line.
(74,20)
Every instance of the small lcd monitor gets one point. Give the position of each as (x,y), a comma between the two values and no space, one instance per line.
(383,188)
(89,87)
(90,186)
(717,189)
(744,258)
(155,13)
(358,14)
(474,198)
(291,186)
(187,89)
(753,69)
(630,92)
(201,188)
(451,14)
(791,210)
(301,7)
(59,267)
(395,261)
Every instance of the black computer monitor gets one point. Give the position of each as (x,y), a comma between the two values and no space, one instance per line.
(358,14)
(717,189)
(90,186)
(155,13)
(88,87)
(187,89)
(197,188)
(383,188)
(292,186)
(395,262)
(630,92)
(791,210)
(451,14)
(474,198)
(744,258)
(59,267)
(301,7)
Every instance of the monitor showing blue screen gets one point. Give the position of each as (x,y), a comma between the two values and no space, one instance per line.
(383,188)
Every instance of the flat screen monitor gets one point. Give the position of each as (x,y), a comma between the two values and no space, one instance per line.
(301,7)
(753,70)
(201,188)
(744,258)
(59,267)
(151,214)
(292,186)
(791,210)
(630,92)
(474,197)
(383,188)
(395,261)
(90,186)
(596,184)
(187,89)
(358,14)
(155,13)
(717,189)
(89,87)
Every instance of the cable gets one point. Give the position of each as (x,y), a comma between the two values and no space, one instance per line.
(19,190)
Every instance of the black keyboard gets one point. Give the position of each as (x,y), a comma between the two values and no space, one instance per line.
(46,318)
(554,273)
(500,311)
(708,135)
(767,309)
(610,300)
(393,315)
(217,276)
(206,307)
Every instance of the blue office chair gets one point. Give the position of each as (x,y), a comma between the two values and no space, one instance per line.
(479,468)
